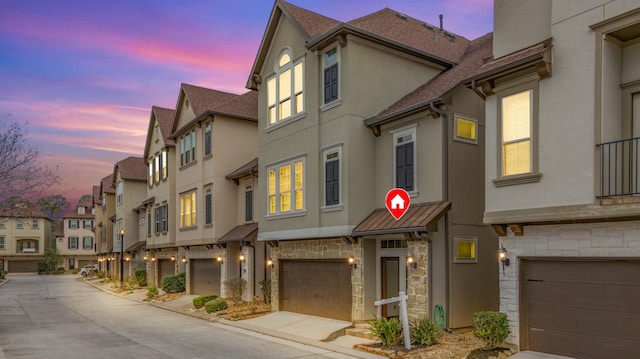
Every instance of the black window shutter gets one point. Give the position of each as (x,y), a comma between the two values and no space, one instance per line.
(208,208)
(404,166)
(331,83)
(248,216)
(332,183)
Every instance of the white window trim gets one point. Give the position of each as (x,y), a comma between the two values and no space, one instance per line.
(455,129)
(338,100)
(277,70)
(293,212)
(458,239)
(339,205)
(400,132)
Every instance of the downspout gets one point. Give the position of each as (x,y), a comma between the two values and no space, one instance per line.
(445,197)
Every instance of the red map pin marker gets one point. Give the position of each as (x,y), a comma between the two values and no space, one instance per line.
(397,202)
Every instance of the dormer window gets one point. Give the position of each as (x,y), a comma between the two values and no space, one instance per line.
(285,90)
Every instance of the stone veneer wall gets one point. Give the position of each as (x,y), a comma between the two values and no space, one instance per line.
(589,240)
(322,249)
(417,282)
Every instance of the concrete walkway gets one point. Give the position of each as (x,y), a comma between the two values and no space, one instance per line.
(536,355)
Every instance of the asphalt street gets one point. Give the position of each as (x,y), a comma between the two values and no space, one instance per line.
(62,317)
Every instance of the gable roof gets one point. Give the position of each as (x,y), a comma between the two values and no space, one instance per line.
(387,27)
(244,106)
(164,117)
(131,168)
(202,100)
(432,91)
(106,184)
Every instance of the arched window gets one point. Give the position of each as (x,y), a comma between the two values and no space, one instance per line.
(285,89)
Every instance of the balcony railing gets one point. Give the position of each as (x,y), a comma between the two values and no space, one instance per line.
(619,170)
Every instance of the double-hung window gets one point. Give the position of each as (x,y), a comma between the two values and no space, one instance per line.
(73,242)
(516,133)
(34,223)
(87,224)
(74,223)
(332,177)
(188,209)
(286,187)
(87,242)
(119,189)
(188,147)
(331,84)
(19,224)
(285,89)
(404,158)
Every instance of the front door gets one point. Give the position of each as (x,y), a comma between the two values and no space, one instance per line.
(390,284)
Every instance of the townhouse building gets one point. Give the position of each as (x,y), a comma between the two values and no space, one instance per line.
(159,209)
(348,111)
(77,244)
(562,94)
(215,133)
(129,179)
(25,234)
(105,212)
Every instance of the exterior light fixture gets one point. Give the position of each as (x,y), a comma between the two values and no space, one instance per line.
(173,258)
(184,260)
(219,259)
(411,261)
(269,263)
(241,257)
(127,259)
(153,259)
(145,258)
(502,257)
(352,262)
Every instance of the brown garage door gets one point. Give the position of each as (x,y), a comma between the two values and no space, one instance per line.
(23,267)
(165,267)
(583,309)
(204,276)
(321,288)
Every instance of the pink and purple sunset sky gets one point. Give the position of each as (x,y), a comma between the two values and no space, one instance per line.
(81,76)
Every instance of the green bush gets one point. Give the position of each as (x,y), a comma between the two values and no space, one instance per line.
(75,271)
(141,276)
(59,270)
(152,291)
(215,305)
(198,302)
(424,332)
(174,283)
(265,285)
(2,274)
(388,330)
(490,327)
(235,287)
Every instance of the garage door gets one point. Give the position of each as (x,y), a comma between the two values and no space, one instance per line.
(23,267)
(320,288)
(583,309)
(204,276)
(165,267)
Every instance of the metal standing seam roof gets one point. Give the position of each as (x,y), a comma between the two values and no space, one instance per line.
(239,233)
(417,218)
(136,246)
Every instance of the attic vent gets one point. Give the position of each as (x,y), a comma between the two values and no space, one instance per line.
(428,26)
(402,16)
(452,37)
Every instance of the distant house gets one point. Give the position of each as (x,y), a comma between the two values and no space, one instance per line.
(25,233)
(75,239)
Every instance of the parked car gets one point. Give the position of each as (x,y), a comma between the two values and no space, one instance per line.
(86,270)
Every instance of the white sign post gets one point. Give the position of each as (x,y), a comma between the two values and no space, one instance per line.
(402,298)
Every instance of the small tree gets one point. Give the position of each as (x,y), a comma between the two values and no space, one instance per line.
(265,286)
(235,287)
(52,259)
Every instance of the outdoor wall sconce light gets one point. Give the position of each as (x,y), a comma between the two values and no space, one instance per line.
(173,258)
(502,257)
(269,263)
(241,257)
(352,262)
(145,258)
(219,260)
(411,261)
(184,260)
(153,259)
(127,259)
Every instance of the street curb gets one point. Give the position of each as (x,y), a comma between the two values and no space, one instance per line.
(252,328)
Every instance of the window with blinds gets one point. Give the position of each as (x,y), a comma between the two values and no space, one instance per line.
(516,133)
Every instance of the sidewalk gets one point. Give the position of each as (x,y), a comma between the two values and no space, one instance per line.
(299,328)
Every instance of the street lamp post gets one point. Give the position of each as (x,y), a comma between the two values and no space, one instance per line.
(121,255)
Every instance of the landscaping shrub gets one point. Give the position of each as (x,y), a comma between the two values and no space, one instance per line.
(265,286)
(75,271)
(490,327)
(199,301)
(152,291)
(141,276)
(388,330)
(174,283)
(215,305)
(2,274)
(59,270)
(424,332)
(235,287)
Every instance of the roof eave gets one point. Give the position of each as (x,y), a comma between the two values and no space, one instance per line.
(378,121)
